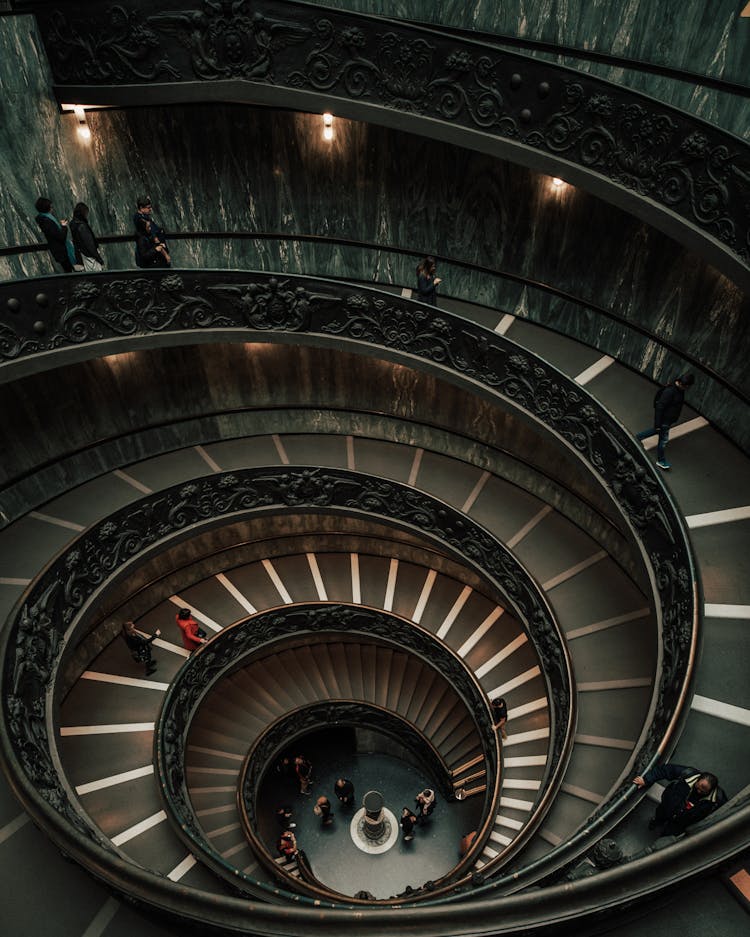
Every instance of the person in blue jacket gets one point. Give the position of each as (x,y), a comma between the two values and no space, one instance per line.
(691,796)
(55,232)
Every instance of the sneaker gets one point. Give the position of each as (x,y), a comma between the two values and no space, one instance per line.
(663,464)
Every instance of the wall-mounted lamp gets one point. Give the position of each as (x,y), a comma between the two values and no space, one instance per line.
(557,183)
(83,128)
(328,126)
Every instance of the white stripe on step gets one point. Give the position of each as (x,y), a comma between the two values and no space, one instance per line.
(115,779)
(712,518)
(356,585)
(424,596)
(283,457)
(102,919)
(725,711)
(481,631)
(682,429)
(504,652)
(182,868)
(57,521)
(390,589)
(520,738)
(727,611)
(210,462)
(607,623)
(111,729)
(312,562)
(517,681)
(123,681)
(594,370)
(127,835)
(528,527)
(236,594)
(276,580)
(133,482)
(475,492)
(505,323)
(454,612)
(573,570)
(415,466)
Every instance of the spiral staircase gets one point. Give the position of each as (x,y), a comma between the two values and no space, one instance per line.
(382,518)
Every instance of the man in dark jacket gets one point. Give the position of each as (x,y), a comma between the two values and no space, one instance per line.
(140,646)
(667,406)
(691,796)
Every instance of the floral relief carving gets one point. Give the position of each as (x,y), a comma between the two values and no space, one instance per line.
(654,154)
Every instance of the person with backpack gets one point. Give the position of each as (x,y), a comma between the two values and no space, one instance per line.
(667,407)
(691,796)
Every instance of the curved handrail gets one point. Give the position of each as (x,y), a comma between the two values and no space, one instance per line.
(17,295)
(682,173)
(456,348)
(61,597)
(238,644)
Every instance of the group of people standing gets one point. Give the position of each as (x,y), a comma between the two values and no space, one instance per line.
(74,246)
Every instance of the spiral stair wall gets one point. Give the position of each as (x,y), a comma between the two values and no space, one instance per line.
(609,624)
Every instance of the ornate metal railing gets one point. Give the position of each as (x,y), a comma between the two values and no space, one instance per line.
(94,310)
(680,172)
(291,727)
(59,602)
(236,646)
(12,300)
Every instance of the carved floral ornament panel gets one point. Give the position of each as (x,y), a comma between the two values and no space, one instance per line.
(682,163)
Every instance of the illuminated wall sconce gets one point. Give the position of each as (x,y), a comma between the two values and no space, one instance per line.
(328,126)
(558,183)
(83,128)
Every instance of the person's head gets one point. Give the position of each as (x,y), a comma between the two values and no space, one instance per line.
(685,381)
(322,801)
(427,793)
(405,812)
(706,784)
(144,205)
(340,782)
(498,702)
(43,205)
(81,212)
(427,266)
(129,627)
(183,614)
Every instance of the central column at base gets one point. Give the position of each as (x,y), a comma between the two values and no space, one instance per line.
(374,825)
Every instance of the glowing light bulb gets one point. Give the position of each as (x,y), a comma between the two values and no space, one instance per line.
(328,133)
(557,182)
(328,119)
(84,133)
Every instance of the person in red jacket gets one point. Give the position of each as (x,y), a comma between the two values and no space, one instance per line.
(192,635)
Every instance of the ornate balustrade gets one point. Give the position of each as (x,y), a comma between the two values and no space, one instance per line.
(236,646)
(60,603)
(82,316)
(286,730)
(677,171)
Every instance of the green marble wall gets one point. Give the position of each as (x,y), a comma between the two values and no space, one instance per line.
(230,168)
(704,36)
